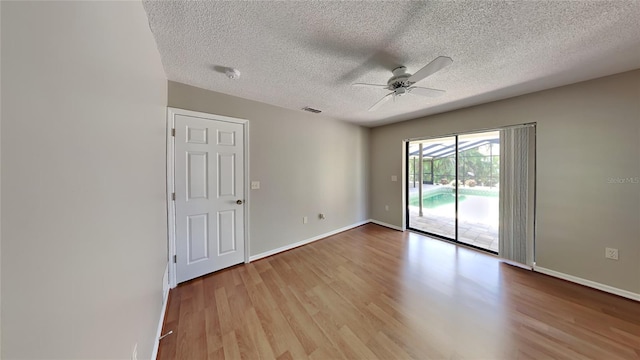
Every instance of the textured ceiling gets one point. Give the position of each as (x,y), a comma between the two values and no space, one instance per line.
(297,54)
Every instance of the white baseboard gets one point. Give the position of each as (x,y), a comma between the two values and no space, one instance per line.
(386,225)
(163,311)
(589,283)
(307,241)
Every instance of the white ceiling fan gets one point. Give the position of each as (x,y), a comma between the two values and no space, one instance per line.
(402,83)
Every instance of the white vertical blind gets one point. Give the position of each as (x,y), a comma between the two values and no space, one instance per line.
(516,194)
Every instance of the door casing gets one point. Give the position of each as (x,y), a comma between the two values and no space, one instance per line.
(171,210)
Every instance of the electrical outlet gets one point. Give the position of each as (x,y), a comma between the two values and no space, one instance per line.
(386,207)
(305,219)
(394,178)
(611,253)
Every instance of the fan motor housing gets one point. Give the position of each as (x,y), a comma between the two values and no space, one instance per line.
(400,79)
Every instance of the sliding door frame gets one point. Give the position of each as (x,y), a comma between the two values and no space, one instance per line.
(456,190)
(407,212)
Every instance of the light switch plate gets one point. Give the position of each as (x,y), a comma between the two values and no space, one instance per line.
(394,178)
(255,185)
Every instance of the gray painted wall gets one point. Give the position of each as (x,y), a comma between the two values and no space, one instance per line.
(83,180)
(587,134)
(0,183)
(307,164)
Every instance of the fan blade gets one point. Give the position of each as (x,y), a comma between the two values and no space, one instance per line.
(423,91)
(381,102)
(368,85)
(436,65)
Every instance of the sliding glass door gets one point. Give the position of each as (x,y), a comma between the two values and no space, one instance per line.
(432,194)
(452,189)
(478,197)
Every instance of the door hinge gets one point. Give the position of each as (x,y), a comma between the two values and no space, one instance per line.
(175,259)
(173,132)
(173,196)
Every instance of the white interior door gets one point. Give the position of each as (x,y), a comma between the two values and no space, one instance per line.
(209,195)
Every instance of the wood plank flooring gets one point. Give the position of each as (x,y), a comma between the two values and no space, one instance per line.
(375,293)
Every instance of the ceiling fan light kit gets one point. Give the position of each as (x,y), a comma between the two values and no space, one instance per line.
(402,83)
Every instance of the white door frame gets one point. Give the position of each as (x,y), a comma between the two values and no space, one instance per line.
(171,209)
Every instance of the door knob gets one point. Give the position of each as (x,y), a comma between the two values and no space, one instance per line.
(239,202)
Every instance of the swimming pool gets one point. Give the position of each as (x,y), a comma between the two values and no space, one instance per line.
(444,196)
(431,201)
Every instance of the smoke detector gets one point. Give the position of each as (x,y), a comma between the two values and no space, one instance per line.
(232,73)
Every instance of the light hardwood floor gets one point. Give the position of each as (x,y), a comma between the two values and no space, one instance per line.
(375,293)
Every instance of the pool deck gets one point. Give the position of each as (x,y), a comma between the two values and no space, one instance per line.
(479,226)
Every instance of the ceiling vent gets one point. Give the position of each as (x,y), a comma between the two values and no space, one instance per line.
(315,111)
